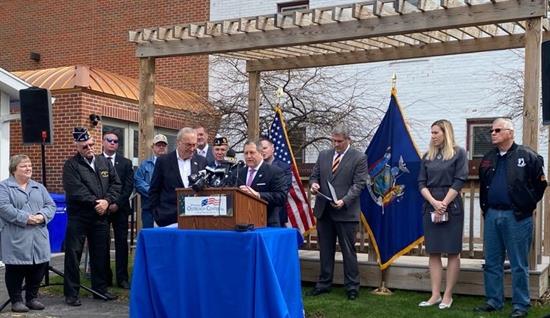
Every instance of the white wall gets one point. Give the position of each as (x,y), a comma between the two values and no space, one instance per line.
(451,87)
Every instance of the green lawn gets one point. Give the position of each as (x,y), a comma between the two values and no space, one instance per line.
(400,304)
(335,304)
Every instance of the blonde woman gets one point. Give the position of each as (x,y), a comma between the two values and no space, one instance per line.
(443,172)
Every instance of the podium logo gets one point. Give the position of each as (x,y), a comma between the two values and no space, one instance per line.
(210,201)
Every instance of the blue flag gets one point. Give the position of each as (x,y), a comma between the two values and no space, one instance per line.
(391,202)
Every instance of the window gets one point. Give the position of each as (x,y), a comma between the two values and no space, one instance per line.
(129,137)
(292,6)
(297,138)
(479,137)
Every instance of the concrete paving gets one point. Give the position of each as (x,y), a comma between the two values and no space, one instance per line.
(56,307)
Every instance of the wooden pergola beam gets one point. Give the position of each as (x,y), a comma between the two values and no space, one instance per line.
(489,13)
(389,54)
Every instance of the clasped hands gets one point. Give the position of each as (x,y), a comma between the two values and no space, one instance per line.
(35,219)
(251,191)
(439,208)
(101,206)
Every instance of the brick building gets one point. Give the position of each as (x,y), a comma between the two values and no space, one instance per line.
(81,91)
(95,33)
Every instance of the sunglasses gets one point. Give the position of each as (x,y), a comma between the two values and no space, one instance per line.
(88,146)
(111,141)
(498,130)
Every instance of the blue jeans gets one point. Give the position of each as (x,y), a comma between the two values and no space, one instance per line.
(503,233)
(146,218)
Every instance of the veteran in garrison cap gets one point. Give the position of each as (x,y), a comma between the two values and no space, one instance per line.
(91,184)
(219,149)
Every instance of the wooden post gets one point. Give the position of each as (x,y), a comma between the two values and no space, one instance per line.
(546,251)
(531,103)
(146,113)
(253,105)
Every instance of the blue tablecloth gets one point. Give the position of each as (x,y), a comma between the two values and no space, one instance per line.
(200,273)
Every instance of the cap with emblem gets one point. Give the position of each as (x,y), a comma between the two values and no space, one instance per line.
(220,141)
(160,138)
(80,134)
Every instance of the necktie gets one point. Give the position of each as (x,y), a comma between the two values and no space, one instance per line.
(111,160)
(251,174)
(336,162)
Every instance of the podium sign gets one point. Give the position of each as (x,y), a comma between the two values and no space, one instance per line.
(219,209)
(212,205)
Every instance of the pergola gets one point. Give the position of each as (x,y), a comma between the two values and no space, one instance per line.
(368,31)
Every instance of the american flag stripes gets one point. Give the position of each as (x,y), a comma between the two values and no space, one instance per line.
(299,211)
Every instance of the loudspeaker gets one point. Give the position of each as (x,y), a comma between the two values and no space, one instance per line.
(36,115)
(545,56)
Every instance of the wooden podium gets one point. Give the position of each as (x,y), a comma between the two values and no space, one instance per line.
(241,208)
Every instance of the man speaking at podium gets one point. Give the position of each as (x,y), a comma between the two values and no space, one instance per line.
(172,171)
(263,181)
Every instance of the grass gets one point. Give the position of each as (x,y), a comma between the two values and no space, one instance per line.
(335,304)
(400,304)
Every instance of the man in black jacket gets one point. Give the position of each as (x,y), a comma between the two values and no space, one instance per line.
(119,210)
(512,181)
(91,185)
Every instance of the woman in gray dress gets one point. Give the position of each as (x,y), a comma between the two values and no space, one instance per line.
(25,209)
(443,172)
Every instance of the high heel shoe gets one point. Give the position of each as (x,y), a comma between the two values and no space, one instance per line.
(443,305)
(427,303)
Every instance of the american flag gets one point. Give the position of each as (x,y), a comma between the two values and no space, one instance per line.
(210,201)
(298,209)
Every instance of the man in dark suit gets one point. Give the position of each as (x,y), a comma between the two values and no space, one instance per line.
(120,210)
(263,181)
(203,148)
(267,151)
(172,171)
(346,169)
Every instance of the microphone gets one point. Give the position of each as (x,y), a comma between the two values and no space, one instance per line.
(230,160)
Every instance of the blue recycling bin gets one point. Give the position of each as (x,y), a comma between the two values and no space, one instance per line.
(59,223)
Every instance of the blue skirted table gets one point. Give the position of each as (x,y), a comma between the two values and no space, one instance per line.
(202,273)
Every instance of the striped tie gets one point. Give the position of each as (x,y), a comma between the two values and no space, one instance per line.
(336,162)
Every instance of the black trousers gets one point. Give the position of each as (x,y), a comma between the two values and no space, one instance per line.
(119,221)
(327,231)
(96,231)
(32,274)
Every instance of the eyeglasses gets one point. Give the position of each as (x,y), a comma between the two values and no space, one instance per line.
(498,130)
(111,141)
(88,146)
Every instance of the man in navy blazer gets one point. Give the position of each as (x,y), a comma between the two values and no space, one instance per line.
(263,181)
(172,171)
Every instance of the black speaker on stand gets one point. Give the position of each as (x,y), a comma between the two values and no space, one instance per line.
(545,70)
(36,115)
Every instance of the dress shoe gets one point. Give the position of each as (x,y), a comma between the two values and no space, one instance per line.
(18,306)
(108,295)
(443,305)
(485,308)
(124,285)
(352,294)
(516,313)
(427,303)
(35,304)
(318,291)
(73,301)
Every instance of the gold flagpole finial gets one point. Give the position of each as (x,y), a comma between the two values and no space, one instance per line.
(394,83)
(279,93)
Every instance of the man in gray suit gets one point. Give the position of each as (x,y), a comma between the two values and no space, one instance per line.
(346,170)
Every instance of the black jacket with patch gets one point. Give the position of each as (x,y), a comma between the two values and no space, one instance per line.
(525,176)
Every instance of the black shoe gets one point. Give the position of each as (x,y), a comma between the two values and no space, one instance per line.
(18,306)
(352,294)
(318,291)
(35,304)
(108,295)
(73,301)
(485,308)
(516,313)
(124,285)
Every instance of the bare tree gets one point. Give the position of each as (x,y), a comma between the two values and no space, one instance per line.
(315,101)
(509,90)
